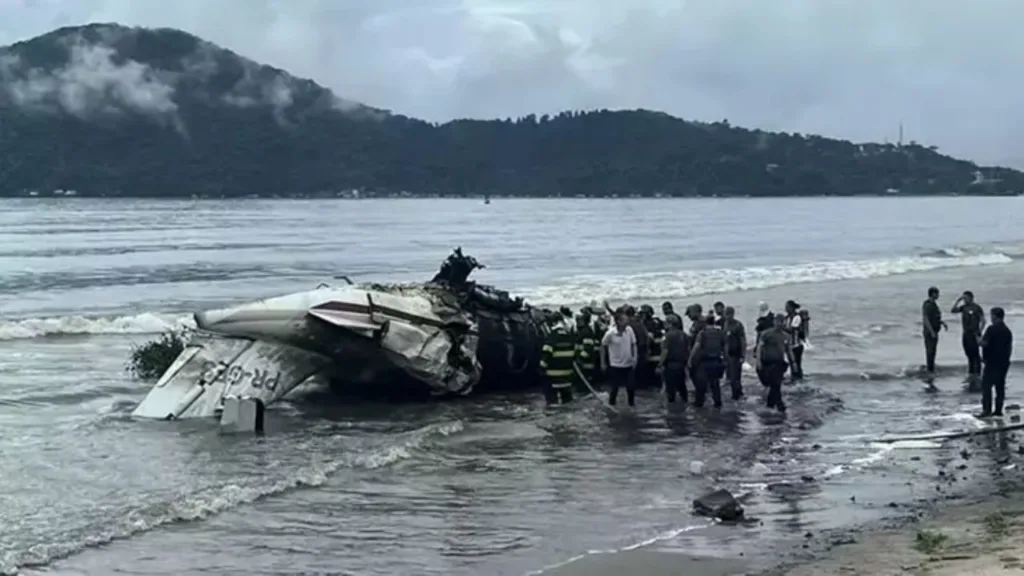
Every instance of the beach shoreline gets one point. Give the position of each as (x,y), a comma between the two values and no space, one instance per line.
(943,535)
(982,534)
(981,538)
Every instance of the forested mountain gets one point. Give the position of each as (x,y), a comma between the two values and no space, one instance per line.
(116,111)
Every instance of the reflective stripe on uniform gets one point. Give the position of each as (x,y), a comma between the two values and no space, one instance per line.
(563,354)
(561,385)
(558,373)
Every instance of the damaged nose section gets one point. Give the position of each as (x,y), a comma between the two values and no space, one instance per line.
(404,333)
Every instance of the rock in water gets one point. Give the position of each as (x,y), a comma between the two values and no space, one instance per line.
(719,504)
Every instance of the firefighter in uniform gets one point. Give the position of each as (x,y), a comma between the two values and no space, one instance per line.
(655,335)
(586,349)
(557,357)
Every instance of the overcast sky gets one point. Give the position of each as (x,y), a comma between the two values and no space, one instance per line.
(950,70)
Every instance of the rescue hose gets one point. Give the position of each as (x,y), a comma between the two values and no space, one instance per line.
(586,383)
(951,435)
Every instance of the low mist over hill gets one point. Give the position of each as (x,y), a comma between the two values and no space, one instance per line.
(116,111)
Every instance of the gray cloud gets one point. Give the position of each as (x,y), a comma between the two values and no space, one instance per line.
(89,80)
(948,70)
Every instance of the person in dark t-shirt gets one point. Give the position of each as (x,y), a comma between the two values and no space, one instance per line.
(697,320)
(972,320)
(735,351)
(997,348)
(931,321)
(707,363)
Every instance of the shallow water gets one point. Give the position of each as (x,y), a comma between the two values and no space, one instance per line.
(496,485)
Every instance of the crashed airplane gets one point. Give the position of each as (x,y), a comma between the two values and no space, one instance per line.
(447,337)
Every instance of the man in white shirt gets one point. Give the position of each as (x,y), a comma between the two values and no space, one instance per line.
(618,359)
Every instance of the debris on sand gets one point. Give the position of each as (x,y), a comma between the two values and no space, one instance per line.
(719,504)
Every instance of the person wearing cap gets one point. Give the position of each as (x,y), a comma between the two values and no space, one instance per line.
(695,312)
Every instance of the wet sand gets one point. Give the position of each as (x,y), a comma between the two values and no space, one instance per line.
(983,537)
(649,563)
(980,539)
(940,535)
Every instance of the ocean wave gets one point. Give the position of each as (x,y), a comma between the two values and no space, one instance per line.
(655,286)
(576,289)
(908,372)
(219,498)
(145,323)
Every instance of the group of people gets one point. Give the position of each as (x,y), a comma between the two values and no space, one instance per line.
(630,349)
(988,349)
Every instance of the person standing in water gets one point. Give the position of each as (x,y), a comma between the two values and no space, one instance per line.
(772,355)
(797,338)
(972,321)
(697,321)
(707,363)
(668,311)
(765,321)
(735,351)
(586,350)
(636,323)
(619,359)
(997,348)
(675,354)
(556,362)
(931,321)
(719,311)
(655,329)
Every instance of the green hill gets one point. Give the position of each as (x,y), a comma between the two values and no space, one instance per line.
(109,110)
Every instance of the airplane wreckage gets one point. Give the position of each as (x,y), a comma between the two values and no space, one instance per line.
(447,337)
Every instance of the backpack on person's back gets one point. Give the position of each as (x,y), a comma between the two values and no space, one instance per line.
(805,320)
